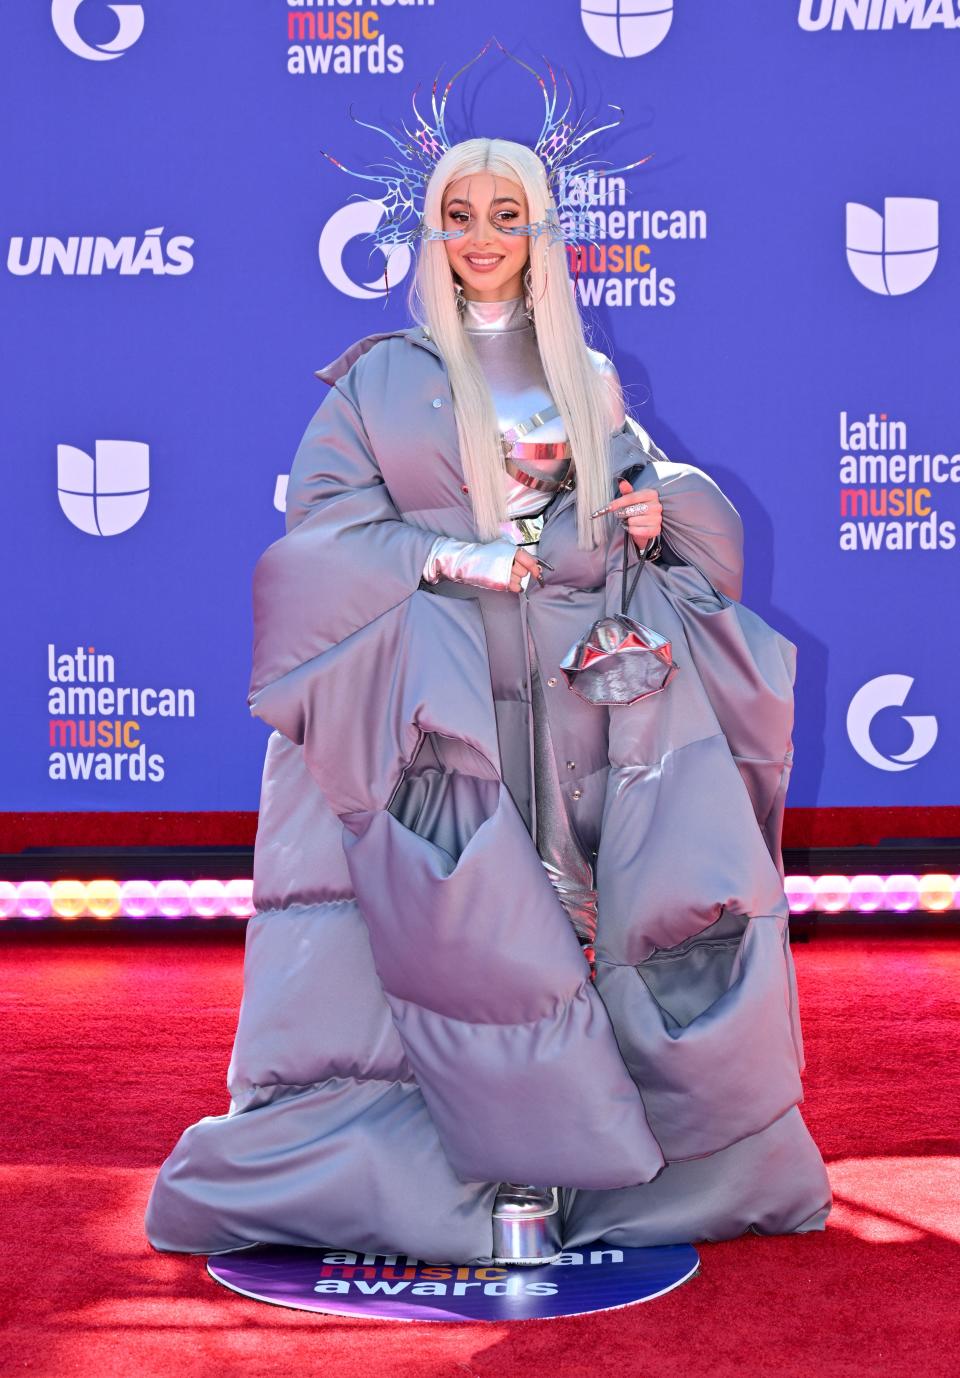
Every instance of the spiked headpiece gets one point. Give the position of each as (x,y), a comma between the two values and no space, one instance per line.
(402,180)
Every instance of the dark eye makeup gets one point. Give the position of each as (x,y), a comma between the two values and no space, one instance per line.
(462,217)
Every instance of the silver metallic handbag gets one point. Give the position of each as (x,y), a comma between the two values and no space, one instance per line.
(619,660)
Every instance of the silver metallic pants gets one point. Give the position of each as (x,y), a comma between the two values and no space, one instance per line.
(441,799)
(566,862)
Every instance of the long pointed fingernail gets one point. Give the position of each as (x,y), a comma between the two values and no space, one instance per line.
(600,512)
(546,563)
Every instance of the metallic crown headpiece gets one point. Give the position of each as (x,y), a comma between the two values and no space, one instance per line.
(403,180)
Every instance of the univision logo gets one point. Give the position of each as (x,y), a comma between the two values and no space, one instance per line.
(64,16)
(626,28)
(895,252)
(107,493)
(878,14)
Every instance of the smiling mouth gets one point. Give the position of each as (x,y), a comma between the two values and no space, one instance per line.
(483,261)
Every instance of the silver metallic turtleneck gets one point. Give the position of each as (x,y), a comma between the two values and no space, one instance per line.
(504,339)
(505,343)
(494,317)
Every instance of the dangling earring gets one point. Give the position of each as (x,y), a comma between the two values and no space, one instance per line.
(528,291)
(461,299)
(528,284)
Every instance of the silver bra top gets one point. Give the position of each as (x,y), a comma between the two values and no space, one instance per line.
(505,342)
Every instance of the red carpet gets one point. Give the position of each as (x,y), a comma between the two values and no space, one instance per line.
(111,1047)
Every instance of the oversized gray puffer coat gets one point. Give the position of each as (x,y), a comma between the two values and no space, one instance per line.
(418,1022)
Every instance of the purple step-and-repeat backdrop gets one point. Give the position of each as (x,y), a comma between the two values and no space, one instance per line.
(779,286)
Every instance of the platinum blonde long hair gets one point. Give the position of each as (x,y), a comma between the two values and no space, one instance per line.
(575,385)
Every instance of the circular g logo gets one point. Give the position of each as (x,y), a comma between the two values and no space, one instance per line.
(887,691)
(354,219)
(64,14)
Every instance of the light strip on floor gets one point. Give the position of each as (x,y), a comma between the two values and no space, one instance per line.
(128,899)
(233,899)
(866,894)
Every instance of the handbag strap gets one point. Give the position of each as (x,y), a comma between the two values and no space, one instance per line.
(626,595)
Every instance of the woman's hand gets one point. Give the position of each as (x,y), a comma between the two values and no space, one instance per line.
(499,564)
(524,563)
(644,525)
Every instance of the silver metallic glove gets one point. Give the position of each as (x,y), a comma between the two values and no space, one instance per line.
(487,564)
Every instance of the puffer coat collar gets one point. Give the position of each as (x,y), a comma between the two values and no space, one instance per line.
(631,449)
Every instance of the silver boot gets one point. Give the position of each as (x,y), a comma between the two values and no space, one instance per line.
(526,1225)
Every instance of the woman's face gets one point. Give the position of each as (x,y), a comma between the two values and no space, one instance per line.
(489,264)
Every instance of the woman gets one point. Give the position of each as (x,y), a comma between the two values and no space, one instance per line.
(504,935)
